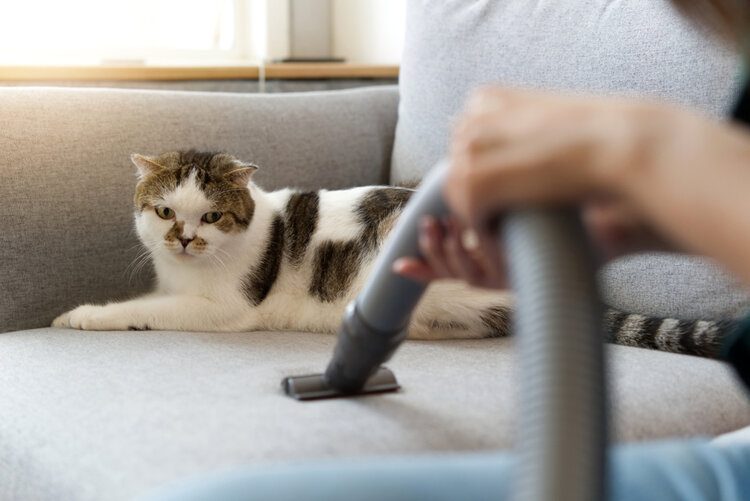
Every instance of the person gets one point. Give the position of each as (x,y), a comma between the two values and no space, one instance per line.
(646,175)
(638,172)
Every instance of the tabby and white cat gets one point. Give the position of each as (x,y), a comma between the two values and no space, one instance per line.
(231,257)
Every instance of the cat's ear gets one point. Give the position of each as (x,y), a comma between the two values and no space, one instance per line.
(240,173)
(146,165)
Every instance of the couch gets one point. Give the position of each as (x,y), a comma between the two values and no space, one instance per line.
(114,415)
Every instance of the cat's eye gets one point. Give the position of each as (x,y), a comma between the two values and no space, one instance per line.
(211,217)
(164,212)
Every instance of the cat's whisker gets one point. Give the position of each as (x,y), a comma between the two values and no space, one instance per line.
(218,260)
(135,246)
(136,270)
(228,255)
(136,259)
(137,264)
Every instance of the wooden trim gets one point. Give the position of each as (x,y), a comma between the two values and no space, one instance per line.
(293,71)
(287,71)
(84,73)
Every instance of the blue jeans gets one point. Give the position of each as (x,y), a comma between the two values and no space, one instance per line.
(663,471)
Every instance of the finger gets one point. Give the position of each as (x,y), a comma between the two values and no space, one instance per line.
(415,269)
(431,245)
(545,172)
(494,98)
(499,98)
(616,230)
(549,172)
(524,114)
(459,260)
(611,229)
(480,135)
(486,98)
(480,131)
(492,259)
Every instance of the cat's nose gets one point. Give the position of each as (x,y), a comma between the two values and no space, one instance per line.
(185,241)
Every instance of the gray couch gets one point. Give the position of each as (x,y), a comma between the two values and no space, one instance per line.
(112,415)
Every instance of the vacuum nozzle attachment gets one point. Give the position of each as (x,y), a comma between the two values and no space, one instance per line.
(316,386)
(355,366)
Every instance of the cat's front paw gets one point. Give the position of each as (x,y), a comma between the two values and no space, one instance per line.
(91,317)
(63,321)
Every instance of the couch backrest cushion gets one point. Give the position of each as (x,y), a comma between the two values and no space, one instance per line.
(634,47)
(641,47)
(66,182)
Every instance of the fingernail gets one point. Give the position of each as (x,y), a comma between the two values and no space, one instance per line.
(470,240)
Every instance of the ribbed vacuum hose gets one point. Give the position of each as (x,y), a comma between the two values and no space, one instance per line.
(562,403)
(562,412)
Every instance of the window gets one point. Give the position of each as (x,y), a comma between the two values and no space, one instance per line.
(189,32)
(96,31)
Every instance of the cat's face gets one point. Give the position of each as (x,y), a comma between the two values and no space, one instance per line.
(192,206)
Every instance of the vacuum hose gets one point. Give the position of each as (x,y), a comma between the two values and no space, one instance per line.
(562,392)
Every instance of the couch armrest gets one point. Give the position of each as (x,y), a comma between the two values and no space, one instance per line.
(67,183)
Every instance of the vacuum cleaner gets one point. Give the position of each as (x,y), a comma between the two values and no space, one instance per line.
(562,407)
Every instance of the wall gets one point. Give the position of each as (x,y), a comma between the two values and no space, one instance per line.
(369,31)
(363,31)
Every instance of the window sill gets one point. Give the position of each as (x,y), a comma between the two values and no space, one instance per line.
(281,71)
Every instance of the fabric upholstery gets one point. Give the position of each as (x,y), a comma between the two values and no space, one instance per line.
(685,287)
(636,48)
(640,47)
(67,182)
(106,415)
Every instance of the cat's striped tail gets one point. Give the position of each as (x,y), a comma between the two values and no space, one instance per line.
(702,338)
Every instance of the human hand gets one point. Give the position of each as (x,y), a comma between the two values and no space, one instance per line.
(616,159)
(449,250)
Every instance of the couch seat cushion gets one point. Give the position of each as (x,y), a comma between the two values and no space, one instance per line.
(105,415)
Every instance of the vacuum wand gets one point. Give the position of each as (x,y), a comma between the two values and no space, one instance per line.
(376,322)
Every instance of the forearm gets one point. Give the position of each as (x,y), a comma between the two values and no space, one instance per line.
(703,202)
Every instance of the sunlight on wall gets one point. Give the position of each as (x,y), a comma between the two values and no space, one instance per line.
(90,32)
(38,30)
(369,31)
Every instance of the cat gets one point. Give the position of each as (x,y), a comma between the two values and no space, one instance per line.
(230,256)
